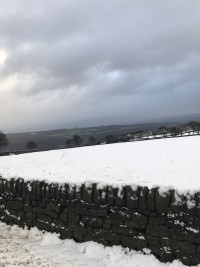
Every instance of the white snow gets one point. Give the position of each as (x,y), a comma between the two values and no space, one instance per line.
(192,230)
(32,248)
(167,163)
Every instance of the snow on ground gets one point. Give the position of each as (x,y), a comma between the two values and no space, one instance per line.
(32,248)
(173,162)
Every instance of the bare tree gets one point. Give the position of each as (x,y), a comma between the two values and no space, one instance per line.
(77,140)
(3,140)
(92,141)
(31,145)
(68,142)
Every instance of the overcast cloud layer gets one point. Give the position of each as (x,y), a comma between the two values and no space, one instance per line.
(66,63)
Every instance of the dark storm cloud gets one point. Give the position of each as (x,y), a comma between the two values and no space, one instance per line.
(81,62)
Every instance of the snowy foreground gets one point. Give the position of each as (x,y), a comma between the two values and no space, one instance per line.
(32,248)
(168,163)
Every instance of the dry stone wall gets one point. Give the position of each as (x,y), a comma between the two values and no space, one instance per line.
(165,223)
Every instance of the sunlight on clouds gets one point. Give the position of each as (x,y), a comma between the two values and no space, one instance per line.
(19,84)
(8,83)
(3,57)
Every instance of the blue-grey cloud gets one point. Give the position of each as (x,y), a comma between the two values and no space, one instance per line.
(71,63)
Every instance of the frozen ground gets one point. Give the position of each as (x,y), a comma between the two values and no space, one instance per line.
(173,163)
(24,248)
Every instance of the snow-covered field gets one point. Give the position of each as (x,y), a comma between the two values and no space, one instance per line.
(173,163)
(32,248)
(166,163)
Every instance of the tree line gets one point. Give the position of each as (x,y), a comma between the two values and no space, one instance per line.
(190,128)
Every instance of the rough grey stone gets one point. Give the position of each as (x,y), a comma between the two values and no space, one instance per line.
(19,186)
(124,231)
(162,225)
(133,243)
(184,258)
(54,207)
(59,223)
(87,194)
(15,205)
(28,208)
(118,215)
(92,221)
(42,226)
(175,224)
(132,198)
(143,198)
(45,218)
(120,197)
(78,193)
(100,235)
(52,214)
(151,199)
(157,251)
(158,230)
(38,188)
(70,207)
(34,203)
(157,220)
(179,246)
(73,217)
(63,193)
(166,257)
(58,193)
(113,221)
(197,198)
(2,185)
(43,189)
(82,211)
(78,235)
(70,192)
(153,241)
(65,233)
(185,235)
(104,193)
(42,204)
(106,226)
(190,206)
(30,216)
(98,213)
(39,210)
(195,259)
(8,187)
(137,221)
(52,191)
(13,212)
(63,217)
(163,254)
(14,186)
(162,201)
(12,182)
(97,195)
(110,196)
(76,227)
(178,203)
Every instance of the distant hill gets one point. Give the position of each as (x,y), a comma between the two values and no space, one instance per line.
(54,139)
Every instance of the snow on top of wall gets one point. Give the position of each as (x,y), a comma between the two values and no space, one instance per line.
(167,163)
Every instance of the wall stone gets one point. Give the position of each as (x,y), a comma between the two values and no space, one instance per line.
(166,223)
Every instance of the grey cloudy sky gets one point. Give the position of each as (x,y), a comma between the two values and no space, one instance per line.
(66,63)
